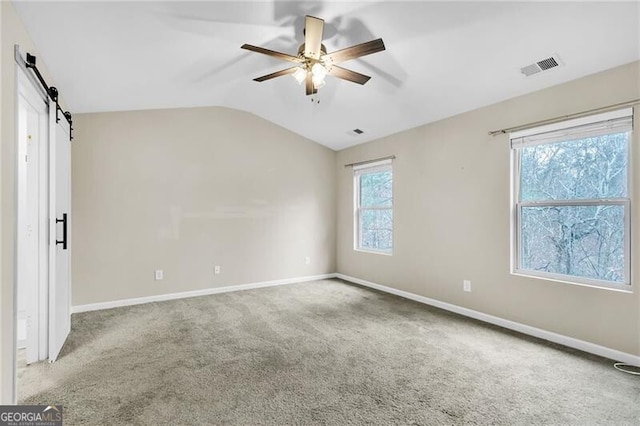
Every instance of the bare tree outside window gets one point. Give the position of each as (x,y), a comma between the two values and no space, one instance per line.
(374,209)
(572,204)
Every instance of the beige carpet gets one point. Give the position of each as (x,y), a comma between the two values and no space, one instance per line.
(324,352)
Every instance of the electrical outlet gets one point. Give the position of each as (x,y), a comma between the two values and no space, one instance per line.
(466,285)
(307,260)
(216,269)
(159,274)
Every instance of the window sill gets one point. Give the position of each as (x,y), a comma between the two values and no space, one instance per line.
(621,288)
(384,253)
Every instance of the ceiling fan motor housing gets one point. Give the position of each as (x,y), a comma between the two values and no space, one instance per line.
(310,62)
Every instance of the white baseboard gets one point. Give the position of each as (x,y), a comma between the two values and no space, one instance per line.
(512,325)
(194,293)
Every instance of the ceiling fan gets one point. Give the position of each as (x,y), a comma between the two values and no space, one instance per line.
(313,63)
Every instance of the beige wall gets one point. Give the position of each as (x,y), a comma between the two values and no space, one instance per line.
(451,210)
(183,190)
(12,32)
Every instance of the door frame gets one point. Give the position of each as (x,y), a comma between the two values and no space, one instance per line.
(27,87)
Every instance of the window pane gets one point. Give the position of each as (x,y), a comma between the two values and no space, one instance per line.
(583,241)
(376,189)
(585,168)
(377,229)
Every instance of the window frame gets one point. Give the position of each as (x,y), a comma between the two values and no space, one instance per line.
(374,167)
(517,205)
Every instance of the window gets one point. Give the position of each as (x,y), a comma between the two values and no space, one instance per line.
(374,207)
(571,200)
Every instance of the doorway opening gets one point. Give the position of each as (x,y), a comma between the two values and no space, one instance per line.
(42,303)
(32,184)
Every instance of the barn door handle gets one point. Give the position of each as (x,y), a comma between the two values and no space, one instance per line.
(64,231)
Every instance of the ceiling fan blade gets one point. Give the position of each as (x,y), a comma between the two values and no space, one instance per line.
(278,55)
(313,37)
(356,51)
(348,75)
(276,74)
(309,85)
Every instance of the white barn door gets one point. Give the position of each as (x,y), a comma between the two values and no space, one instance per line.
(60,234)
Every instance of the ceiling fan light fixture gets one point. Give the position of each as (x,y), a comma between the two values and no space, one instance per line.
(318,82)
(318,71)
(300,74)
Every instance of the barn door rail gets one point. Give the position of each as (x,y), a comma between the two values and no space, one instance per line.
(51,91)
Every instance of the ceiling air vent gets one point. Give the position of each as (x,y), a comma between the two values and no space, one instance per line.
(358,131)
(541,65)
(548,63)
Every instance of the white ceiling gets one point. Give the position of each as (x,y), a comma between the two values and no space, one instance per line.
(441,59)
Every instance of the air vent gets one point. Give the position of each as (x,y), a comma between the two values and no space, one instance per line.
(358,131)
(530,70)
(548,63)
(541,65)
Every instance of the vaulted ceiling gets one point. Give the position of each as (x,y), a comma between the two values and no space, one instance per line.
(442,58)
